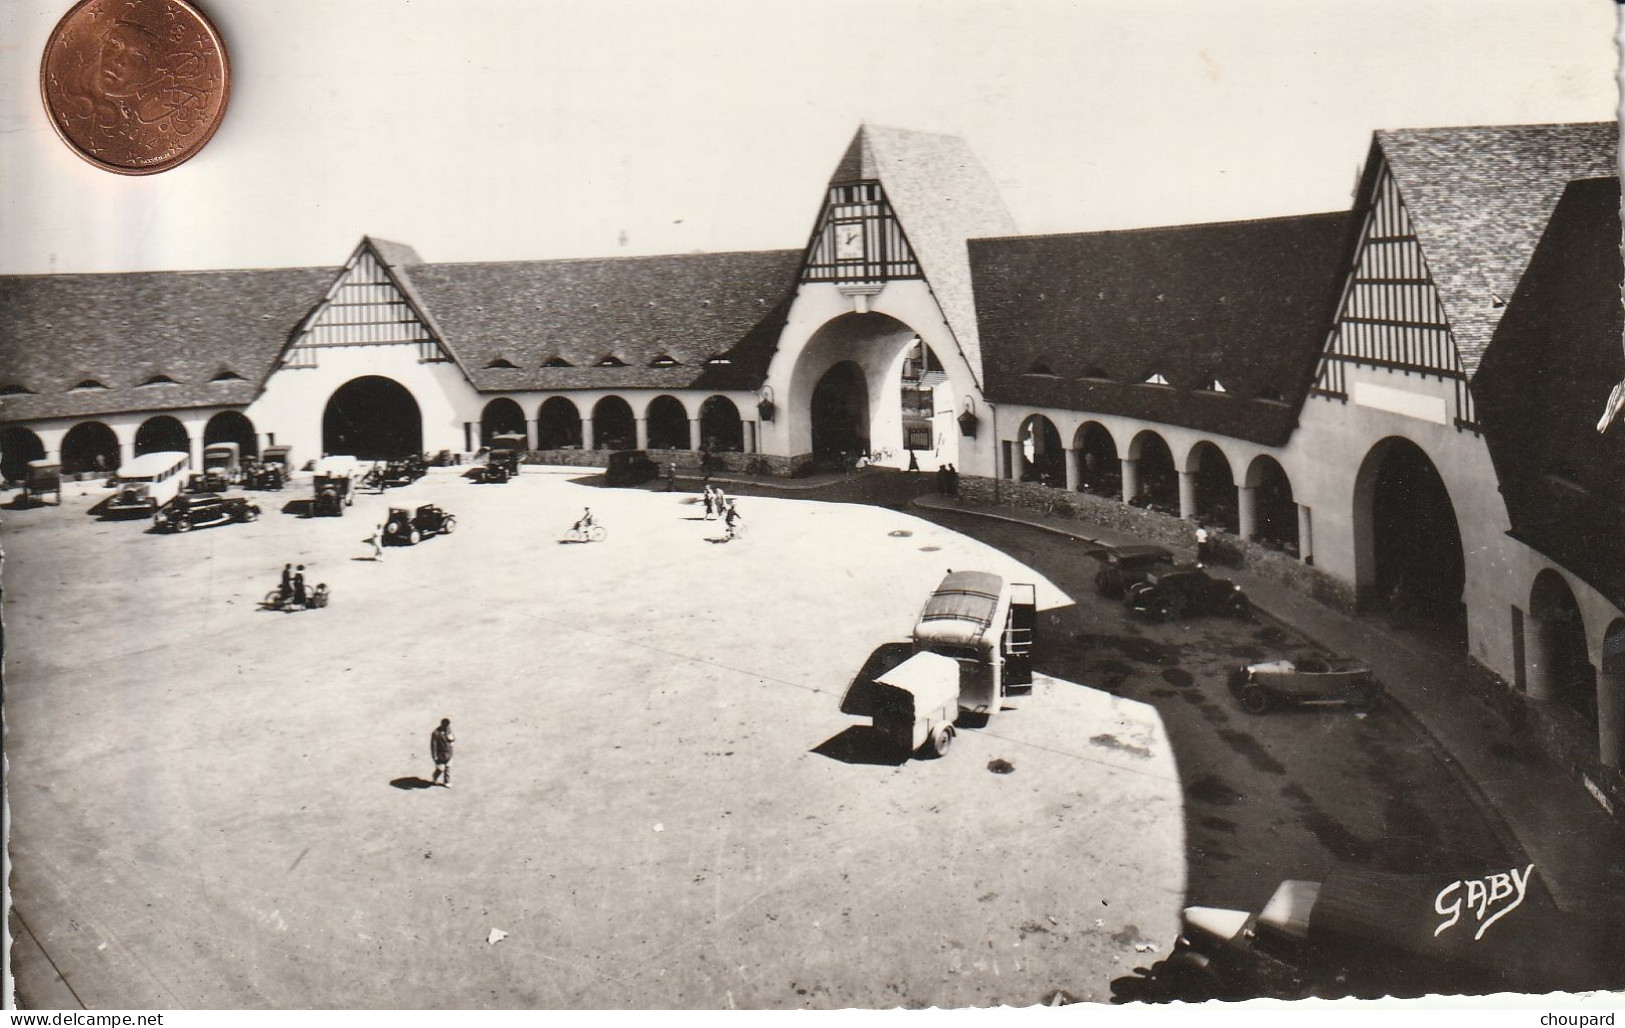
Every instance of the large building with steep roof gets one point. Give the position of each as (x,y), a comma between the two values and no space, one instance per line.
(1389,408)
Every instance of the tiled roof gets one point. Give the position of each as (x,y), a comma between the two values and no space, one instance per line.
(1543,382)
(1480,198)
(943,197)
(630,311)
(1245,303)
(123,330)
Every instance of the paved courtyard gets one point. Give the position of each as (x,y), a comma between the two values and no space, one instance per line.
(660,797)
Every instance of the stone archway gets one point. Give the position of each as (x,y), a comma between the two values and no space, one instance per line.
(502,416)
(667,422)
(1099,470)
(1274,513)
(1040,456)
(1156,480)
(613,427)
(90,446)
(1213,487)
(721,428)
(373,418)
(1560,669)
(18,446)
(162,434)
(230,426)
(1407,542)
(558,424)
(840,413)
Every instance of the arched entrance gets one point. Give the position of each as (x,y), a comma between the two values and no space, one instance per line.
(1158,482)
(230,426)
(90,446)
(840,412)
(373,418)
(18,446)
(1042,459)
(1214,485)
(667,424)
(501,416)
(613,427)
(1407,544)
(1099,470)
(160,434)
(558,425)
(1275,514)
(721,430)
(1560,669)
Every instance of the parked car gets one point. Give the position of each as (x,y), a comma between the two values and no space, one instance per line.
(261,475)
(334,486)
(1123,566)
(408,527)
(630,467)
(1184,590)
(503,461)
(224,462)
(1310,679)
(280,455)
(214,480)
(202,510)
(405,471)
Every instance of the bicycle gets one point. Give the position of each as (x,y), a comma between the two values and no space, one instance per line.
(590,534)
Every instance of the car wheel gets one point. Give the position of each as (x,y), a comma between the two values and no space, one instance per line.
(449,526)
(941,739)
(251,514)
(414,537)
(1255,700)
(182,525)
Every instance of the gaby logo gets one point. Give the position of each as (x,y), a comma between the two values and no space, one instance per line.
(1479,895)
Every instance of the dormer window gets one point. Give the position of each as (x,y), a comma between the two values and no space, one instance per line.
(1156,379)
(1095,371)
(89,383)
(719,360)
(504,363)
(1040,368)
(1270,394)
(663,361)
(611,361)
(557,362)
(160,380)
(227,375)
(13,389)
(1213,385)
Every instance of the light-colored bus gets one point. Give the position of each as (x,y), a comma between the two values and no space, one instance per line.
(148,482)
(987,625)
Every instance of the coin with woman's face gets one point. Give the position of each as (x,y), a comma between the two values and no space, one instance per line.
(135,86)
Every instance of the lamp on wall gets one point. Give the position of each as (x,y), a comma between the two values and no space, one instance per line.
(764,403)
(968,419)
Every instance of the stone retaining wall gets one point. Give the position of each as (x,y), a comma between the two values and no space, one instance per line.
(687,461)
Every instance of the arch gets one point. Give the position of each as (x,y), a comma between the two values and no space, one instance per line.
(18,446)
(1275,512)
(231,426)
(721,429)
(1407,541)
(90,446)
(667,421)
(1563,672)
(502,416)
(1042,459)
(1158,480)
(613,427)
(373,418)
(1214,486)
(1099,470)
(840,412)
(558,425)
(161,433)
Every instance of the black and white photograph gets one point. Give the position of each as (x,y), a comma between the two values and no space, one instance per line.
(727,505)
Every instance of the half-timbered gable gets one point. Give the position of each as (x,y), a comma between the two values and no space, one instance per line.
(368,304)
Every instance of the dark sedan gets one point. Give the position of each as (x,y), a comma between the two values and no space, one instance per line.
(203,510)
(1186,591)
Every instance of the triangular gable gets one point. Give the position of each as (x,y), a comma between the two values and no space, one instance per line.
(369,304)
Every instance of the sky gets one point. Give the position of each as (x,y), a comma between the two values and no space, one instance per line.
(520,129)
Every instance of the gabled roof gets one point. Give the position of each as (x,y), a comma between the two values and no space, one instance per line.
(124,329)
(1555,356)
(943,197)
(1248,303)
(691,307)
(1480,198)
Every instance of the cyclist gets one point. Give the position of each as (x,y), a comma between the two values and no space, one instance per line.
(587,521)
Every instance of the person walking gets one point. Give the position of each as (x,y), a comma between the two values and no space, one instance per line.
(710,507)
(1201,546)
(299,586)
(913,461)
(731,519)
(440,741)
(377,541)
(287,583)
(671,477)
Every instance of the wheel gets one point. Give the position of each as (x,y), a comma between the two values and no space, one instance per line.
(414,537)
(182,525)
(597,534)
(448,526)
(251,514)
(1255,700)
(942,737)
(738,530)
(273,599)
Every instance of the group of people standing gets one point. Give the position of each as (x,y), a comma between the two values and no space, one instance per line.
(948,480)
(292,594)
(716,502)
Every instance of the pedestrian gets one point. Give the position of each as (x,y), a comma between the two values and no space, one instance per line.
(953,480)
(1201,546)
(710,507)
(440,741)
(671,477)
(913,461)
(722,501)
(286,589)
(377,540)
(299,586)
(731,519)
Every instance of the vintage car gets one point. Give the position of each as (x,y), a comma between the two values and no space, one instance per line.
(1123,566)
(408,528)
(43,478)
(1310,679)
(145,484)
(282,455)
(1186,591)
(212,481)
(334,486)
(224,462)
(405,471)
(630,467)
(503,462)
(262,475)
(201,510)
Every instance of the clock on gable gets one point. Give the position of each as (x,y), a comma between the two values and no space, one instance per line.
(849,240)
